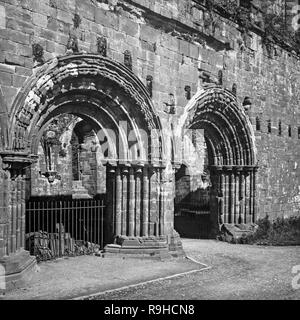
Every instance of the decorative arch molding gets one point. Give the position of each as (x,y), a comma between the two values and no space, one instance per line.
(231,147)
(109,84)
(217,111)
(95,88)
(4,136)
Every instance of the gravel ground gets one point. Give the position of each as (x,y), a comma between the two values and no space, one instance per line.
(238,272)
(72,277)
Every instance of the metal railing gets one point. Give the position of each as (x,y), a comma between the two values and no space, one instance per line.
(64,228)
(192,206)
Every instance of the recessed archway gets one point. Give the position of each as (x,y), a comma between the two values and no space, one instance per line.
(231,154)
(109,95)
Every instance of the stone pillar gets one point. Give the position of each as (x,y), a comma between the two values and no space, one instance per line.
(20,210)
(131,205)
(214,202)
(236,197)
(254,210)
(118,228)
(162,204)
(124,201)
(110,226)
(145,202)
(3,211)
(138,201)
(231,196)
(153,214)
(221,195)
(241,197)
(9,214)
(238,193)
(23,206)
(226,198)
(247,197)
(250,194)
(17,262)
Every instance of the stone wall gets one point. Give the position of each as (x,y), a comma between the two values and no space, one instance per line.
(88,165)
(171,41)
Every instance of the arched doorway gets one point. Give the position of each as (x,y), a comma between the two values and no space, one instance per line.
(231,157)
(106,93)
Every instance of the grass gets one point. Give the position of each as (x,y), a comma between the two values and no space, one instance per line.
(279,232)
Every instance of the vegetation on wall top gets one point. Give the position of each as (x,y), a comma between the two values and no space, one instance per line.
(272,26)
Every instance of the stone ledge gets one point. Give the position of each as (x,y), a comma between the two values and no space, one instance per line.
(19,268)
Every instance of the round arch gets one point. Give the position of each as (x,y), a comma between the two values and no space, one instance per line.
(231,150)
(106,92)
(113,90)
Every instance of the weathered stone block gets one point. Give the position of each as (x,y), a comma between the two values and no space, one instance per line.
(5,78)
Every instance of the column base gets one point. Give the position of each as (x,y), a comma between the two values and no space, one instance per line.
(139,246)
(175,244)
(19,268)
(152,246)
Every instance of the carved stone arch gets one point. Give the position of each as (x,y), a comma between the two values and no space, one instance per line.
(69,75)
(4,123)
(217,107)
(231,147)
(97,88)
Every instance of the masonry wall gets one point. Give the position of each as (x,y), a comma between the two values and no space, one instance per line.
(158,35)
(90,170)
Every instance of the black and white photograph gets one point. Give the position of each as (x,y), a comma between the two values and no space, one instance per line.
(149,153)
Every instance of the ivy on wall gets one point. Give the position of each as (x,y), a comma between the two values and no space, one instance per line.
(272,26)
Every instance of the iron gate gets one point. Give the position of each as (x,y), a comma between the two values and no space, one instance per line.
(64,228)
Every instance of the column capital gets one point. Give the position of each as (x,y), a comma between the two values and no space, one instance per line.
(238,169)
(215,168)
(138,170)
(227,168)
(16,160)
(125,170)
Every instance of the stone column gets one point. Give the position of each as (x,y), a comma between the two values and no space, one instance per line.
(145,202)
(221,195)
(226,197)
(110,229)
(247,197)
(138,201)
(254,210)
(162,204)
(23,205)
(16,261)
(241,197)
(124,201)
(214,201)
(250,194)
(20,209)
(4,204)
(118,219)
(236,197)
(153,201)
(231,196)
(237,194)
(131,205)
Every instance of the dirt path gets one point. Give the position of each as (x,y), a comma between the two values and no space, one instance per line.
(238,272)
(72,277)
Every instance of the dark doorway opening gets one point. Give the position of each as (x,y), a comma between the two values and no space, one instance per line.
(192,205)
